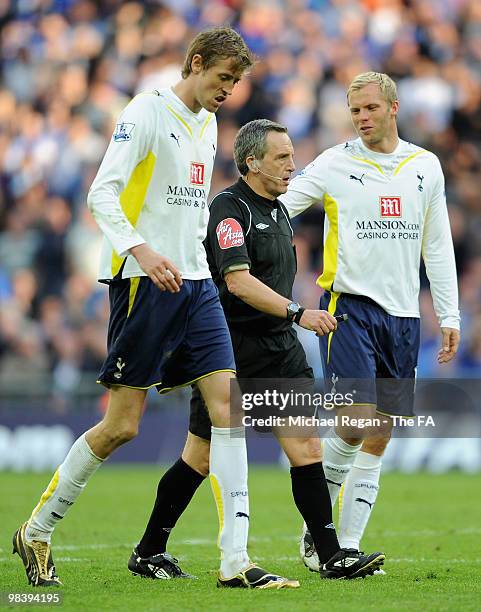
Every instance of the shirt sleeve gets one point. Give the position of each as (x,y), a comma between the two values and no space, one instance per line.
(438,255)
(307,188)
(131,142)
(229,225)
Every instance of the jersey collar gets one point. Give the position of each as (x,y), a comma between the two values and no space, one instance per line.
(264,205)
(182,108)
(380,156)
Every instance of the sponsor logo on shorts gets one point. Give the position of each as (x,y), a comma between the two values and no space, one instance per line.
(197,171)
(390,206)
(238,493)
(229,234)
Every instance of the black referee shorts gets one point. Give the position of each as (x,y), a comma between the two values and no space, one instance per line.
(279,356)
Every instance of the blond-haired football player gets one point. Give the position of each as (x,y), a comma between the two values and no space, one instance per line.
(385,208)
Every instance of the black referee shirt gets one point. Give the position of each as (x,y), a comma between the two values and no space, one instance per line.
(245,228)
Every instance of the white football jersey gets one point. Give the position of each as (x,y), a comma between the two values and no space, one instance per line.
(153,184)
(383,211)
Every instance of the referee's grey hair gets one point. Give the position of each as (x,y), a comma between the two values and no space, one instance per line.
(386,85)
(251,140)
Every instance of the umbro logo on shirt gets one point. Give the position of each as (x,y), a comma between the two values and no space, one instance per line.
(262,226)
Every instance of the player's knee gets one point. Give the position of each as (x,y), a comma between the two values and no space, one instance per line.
(121,433)
(219,413)
(376,445)
(129,432)
(199,463)
(352,441)
(216,392)
(196,454)
(303,451)
(313,450)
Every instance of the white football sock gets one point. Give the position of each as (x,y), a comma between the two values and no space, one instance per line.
(359,495)
(338,459)
(228,478)
(64,488)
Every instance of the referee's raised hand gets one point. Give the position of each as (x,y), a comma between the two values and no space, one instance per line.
(319,321)
(158,268)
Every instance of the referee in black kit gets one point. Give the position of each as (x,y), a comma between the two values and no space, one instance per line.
(253,263)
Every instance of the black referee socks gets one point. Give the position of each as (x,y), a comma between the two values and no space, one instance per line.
(313,501)
(176,488)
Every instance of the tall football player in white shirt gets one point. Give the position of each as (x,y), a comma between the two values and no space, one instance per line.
(385,207)
(167,327)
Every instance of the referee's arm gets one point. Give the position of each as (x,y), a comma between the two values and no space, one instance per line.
(252,291)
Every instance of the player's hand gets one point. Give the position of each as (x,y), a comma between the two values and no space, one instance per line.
(319,321)
(158,268)
(451,338)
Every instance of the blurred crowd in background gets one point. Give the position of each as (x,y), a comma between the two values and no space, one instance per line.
(69,67)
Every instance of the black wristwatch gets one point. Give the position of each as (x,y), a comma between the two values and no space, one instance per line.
(294,312)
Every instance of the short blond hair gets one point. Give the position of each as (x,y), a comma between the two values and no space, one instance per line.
(386,85)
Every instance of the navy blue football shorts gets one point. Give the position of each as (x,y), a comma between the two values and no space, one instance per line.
(162,339)
(373,352)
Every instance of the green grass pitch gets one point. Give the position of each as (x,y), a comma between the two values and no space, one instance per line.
(428,526)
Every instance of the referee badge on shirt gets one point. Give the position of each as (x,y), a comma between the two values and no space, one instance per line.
(229,234)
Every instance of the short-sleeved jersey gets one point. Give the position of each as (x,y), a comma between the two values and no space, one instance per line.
(247,229)
(153,185)
(382,212)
